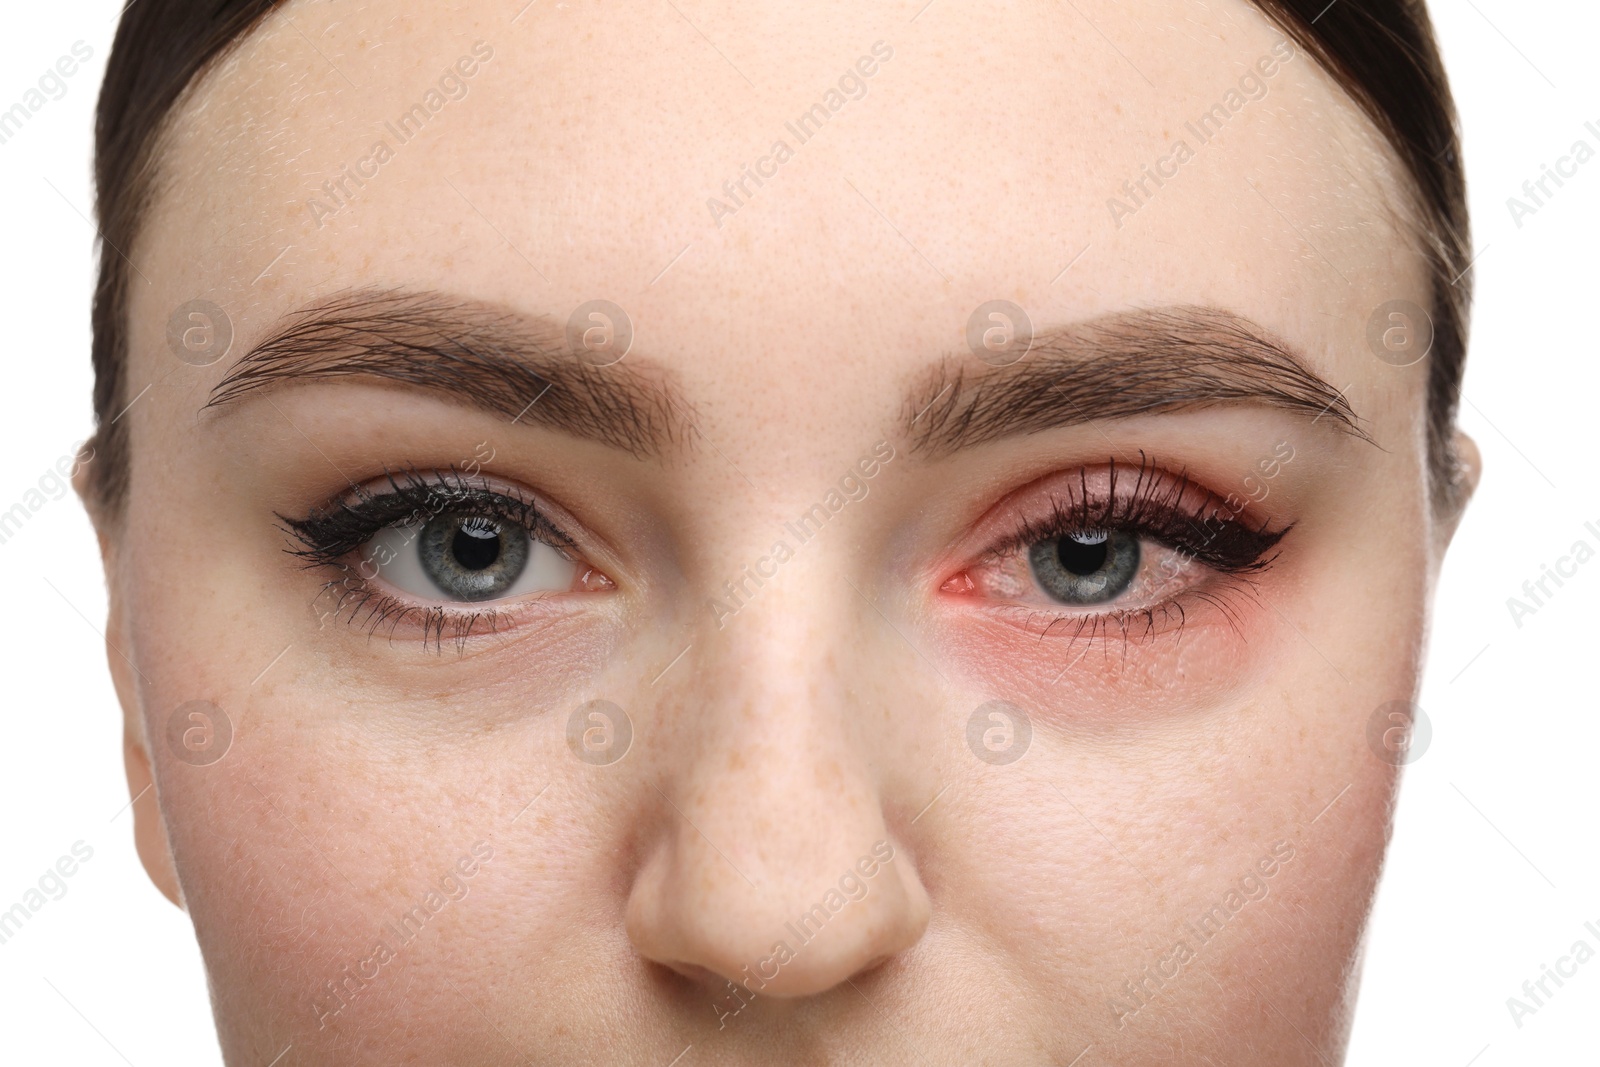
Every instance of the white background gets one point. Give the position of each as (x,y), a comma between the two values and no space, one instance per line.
(1494,866)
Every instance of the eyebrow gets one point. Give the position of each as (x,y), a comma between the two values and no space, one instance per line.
(488,357)
(1116,366)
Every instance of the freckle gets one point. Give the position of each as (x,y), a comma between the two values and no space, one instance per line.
(831,775)
(735,760)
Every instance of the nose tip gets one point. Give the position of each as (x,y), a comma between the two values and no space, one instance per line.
(765,853)
(794,937)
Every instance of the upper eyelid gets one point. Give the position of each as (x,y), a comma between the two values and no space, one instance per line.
(473,500)
(1029,530)
(1239,544)
(322,544)
(463,491)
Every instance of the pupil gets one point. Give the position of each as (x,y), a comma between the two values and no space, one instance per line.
(476,545)
(1079,558)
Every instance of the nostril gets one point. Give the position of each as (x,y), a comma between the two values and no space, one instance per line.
(693,972)
(874,963)
(710,979)
(714,982)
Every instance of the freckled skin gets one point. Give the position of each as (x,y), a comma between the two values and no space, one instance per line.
(772,753)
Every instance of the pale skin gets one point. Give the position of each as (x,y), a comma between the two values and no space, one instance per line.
(773,748)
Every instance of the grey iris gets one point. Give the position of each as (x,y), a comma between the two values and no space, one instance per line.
(471,557)
(1086,568)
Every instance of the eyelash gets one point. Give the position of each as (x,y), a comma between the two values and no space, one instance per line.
(330,534)
(1167,509)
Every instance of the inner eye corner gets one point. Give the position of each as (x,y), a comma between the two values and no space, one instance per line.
(960,583)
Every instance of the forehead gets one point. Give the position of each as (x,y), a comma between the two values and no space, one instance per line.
(763,185)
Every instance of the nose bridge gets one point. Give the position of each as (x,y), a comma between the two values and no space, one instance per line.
(776,867)
(777,765)
(782,755)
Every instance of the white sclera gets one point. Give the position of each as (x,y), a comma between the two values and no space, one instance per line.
(394,552)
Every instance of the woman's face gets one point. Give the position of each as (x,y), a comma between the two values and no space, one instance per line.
(788,619)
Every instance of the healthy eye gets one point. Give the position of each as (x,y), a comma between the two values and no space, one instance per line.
(467,557)
(1086,567)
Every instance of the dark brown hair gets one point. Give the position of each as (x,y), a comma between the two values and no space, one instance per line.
(1381,52)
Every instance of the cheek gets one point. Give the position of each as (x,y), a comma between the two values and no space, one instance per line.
(1116,850)
(322,836)
(297,845)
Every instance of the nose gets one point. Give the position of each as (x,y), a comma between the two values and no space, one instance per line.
(774,866)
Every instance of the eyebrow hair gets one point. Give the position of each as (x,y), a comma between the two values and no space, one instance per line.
(491,358)
(1116,366)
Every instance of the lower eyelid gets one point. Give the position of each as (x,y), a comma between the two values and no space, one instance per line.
(1213,604)
(358,601)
